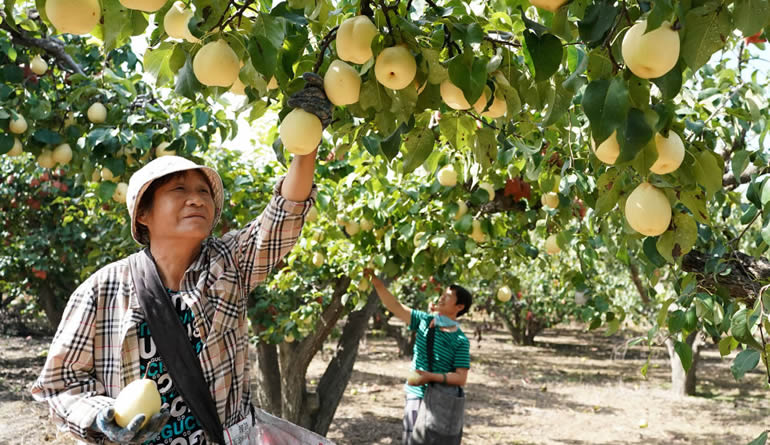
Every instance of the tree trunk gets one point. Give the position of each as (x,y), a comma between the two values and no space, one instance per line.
(335,379)
(638,283)
(51,307)
(268,379)
(683,383)
(405,342)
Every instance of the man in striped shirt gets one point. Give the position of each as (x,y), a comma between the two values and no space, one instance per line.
(451,348)
(103,342)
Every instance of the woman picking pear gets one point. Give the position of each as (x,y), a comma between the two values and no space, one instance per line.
(169,323)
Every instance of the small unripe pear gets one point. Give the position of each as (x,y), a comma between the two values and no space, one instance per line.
(38,65)
(670,153)
(45,159)
(17,148)
(120,192)
(62,154)
(18,124)
(447,176)
(551,246)
(504,294)
(97,113)
(609,150)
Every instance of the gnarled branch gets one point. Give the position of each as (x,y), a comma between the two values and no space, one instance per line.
(50,45)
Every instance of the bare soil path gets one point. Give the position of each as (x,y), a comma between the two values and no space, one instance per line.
(573,388)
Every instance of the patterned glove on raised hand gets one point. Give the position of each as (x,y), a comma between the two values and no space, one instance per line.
(313,99)
(133,432)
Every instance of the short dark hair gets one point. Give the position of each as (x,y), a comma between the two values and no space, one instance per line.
(463,297)
(148,198)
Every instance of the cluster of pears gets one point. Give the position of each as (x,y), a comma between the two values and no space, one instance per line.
(647,208)
(447,177)
(455,99)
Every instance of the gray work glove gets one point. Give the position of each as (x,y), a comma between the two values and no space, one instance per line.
(132,433)
(313,99)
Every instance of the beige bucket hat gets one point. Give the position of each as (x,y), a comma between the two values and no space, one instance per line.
(160,167)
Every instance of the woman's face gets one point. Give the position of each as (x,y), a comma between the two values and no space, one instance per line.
(182,209)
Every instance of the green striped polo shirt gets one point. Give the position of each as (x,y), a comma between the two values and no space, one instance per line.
(451,350)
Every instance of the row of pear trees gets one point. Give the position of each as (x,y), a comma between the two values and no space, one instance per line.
(522,176)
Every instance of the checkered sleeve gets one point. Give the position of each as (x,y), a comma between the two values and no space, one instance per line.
(260,245)
(67,381)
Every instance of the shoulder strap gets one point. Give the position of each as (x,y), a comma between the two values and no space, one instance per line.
(430,338)
(173,344)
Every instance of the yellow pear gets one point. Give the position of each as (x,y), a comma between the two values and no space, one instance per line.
(73,16)
(62,154)
(216,64)
(272,83)
(548,5)
(18,124)
(504,294)
(453,96)
(481,102)
(477,233)
(318,259)
(498,108)
(238,87)
(363,285)
(143,5)
(176,21)
(300,132)
(395,67)
(366,225)
(138,397)
(38,65)
(97,113)
(354,39)
(653,54)
(670,153)
(550,199)
(120,192)
(489,188)
(419,239)
(352,227)
(462,209)
(106,174)
(342,83)
(551,246)
(45,159)
(160,150)
(648,210)
(609,150)
(17,148)
(447,176)
(413,377)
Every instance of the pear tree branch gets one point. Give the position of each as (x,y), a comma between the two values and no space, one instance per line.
(327,40)
(50,45)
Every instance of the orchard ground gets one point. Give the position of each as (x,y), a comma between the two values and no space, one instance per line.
(574,387)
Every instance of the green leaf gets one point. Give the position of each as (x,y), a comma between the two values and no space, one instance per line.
(419,145)
(765,196)
(661,10)
(597,21)
(562,100)
(118,24)
(665,245)
(264,56)
(106,190)
(6,143)
(186,82)
(47,136)
(708,173)
(546,53)
(695,201)
(708,28)
(156,63)
(677,242)
(608,191)
(390,145)
(726,345)
(606,104)
(469,78)
(651,252)
(744,362)
(741,325)
(485,147)
(739,162)
(684,352)
(663,312)
(633,136)
(750,16)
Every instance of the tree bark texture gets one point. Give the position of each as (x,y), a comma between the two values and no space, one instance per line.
(743,276)
(683,382)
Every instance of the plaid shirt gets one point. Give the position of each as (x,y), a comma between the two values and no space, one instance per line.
(95,352)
